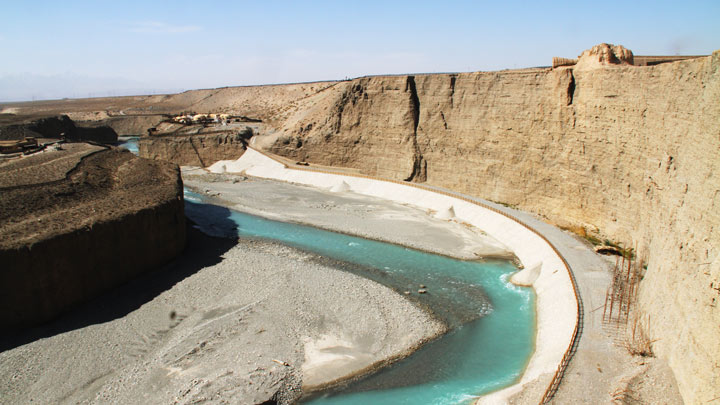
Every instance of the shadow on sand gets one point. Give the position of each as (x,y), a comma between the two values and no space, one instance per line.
(201,251)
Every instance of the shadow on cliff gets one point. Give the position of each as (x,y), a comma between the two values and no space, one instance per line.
(201,251)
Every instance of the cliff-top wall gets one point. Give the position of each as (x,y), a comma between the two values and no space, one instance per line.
(629,153)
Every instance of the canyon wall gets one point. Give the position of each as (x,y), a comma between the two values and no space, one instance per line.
(76,222)
(195,150)
(630,154)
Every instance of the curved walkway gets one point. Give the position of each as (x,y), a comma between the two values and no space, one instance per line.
(559,310)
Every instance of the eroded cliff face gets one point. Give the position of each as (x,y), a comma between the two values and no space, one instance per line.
(79,221)
(194,150)
(629,153)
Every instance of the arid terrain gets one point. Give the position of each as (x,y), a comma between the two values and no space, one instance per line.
(618,154)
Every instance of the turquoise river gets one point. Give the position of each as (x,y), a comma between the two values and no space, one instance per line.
(491,321)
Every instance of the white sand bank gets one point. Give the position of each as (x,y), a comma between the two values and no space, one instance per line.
(350,213)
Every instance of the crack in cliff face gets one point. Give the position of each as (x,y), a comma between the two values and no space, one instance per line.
(202,164)
(571,88)
(453,78)
(339,108)
(419,170)
(414,101)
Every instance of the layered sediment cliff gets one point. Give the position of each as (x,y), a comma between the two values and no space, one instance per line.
(631,154)
(195,150)
(78,221)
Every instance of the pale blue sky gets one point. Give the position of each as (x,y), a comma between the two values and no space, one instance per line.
(53,49)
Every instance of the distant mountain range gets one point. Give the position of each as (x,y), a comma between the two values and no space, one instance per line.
(29,87)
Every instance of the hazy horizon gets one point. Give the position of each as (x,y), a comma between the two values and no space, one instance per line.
(89,49)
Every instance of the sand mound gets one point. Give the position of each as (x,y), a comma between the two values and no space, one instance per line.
(448,213)
(341,187)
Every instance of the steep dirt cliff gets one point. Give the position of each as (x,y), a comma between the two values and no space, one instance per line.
(629,153)
(195,150)
(78,221)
